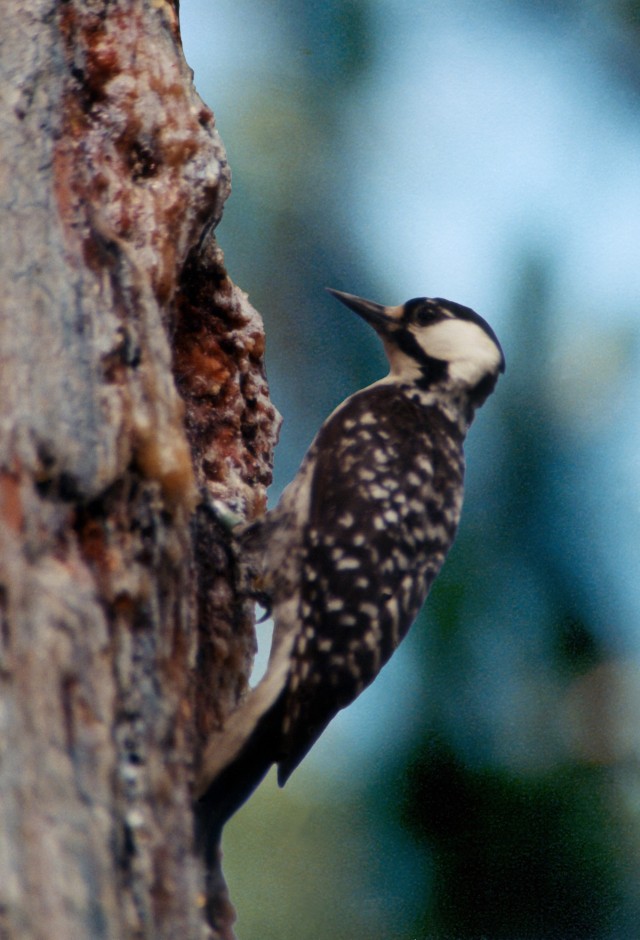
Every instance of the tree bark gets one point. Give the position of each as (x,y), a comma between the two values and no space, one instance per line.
(132,389)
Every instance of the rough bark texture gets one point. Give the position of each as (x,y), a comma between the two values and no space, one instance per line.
(131,384)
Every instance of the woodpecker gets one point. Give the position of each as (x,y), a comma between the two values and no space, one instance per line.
(348,555)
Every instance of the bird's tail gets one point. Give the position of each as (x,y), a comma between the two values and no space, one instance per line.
(238,757)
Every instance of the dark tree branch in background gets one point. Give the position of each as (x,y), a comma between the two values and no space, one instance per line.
(131,384)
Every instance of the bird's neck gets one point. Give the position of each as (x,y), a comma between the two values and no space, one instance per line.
(453,399)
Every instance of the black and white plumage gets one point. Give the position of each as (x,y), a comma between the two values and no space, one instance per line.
(348,555)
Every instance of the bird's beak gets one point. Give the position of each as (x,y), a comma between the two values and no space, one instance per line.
(380,318)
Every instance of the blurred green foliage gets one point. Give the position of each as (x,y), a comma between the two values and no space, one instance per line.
(515,855)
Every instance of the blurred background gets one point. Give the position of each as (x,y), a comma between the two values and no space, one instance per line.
(488,784)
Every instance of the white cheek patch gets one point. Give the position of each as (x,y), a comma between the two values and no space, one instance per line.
(465,345)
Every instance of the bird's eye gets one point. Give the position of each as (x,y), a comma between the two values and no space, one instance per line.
(422,311)
(425,315)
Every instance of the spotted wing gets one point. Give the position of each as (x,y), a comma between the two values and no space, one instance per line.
(384,506)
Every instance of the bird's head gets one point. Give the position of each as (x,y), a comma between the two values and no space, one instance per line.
(431,340)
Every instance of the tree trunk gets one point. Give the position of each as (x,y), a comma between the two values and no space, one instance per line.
(132,389)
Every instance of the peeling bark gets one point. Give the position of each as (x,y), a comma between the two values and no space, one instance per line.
(131,384)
